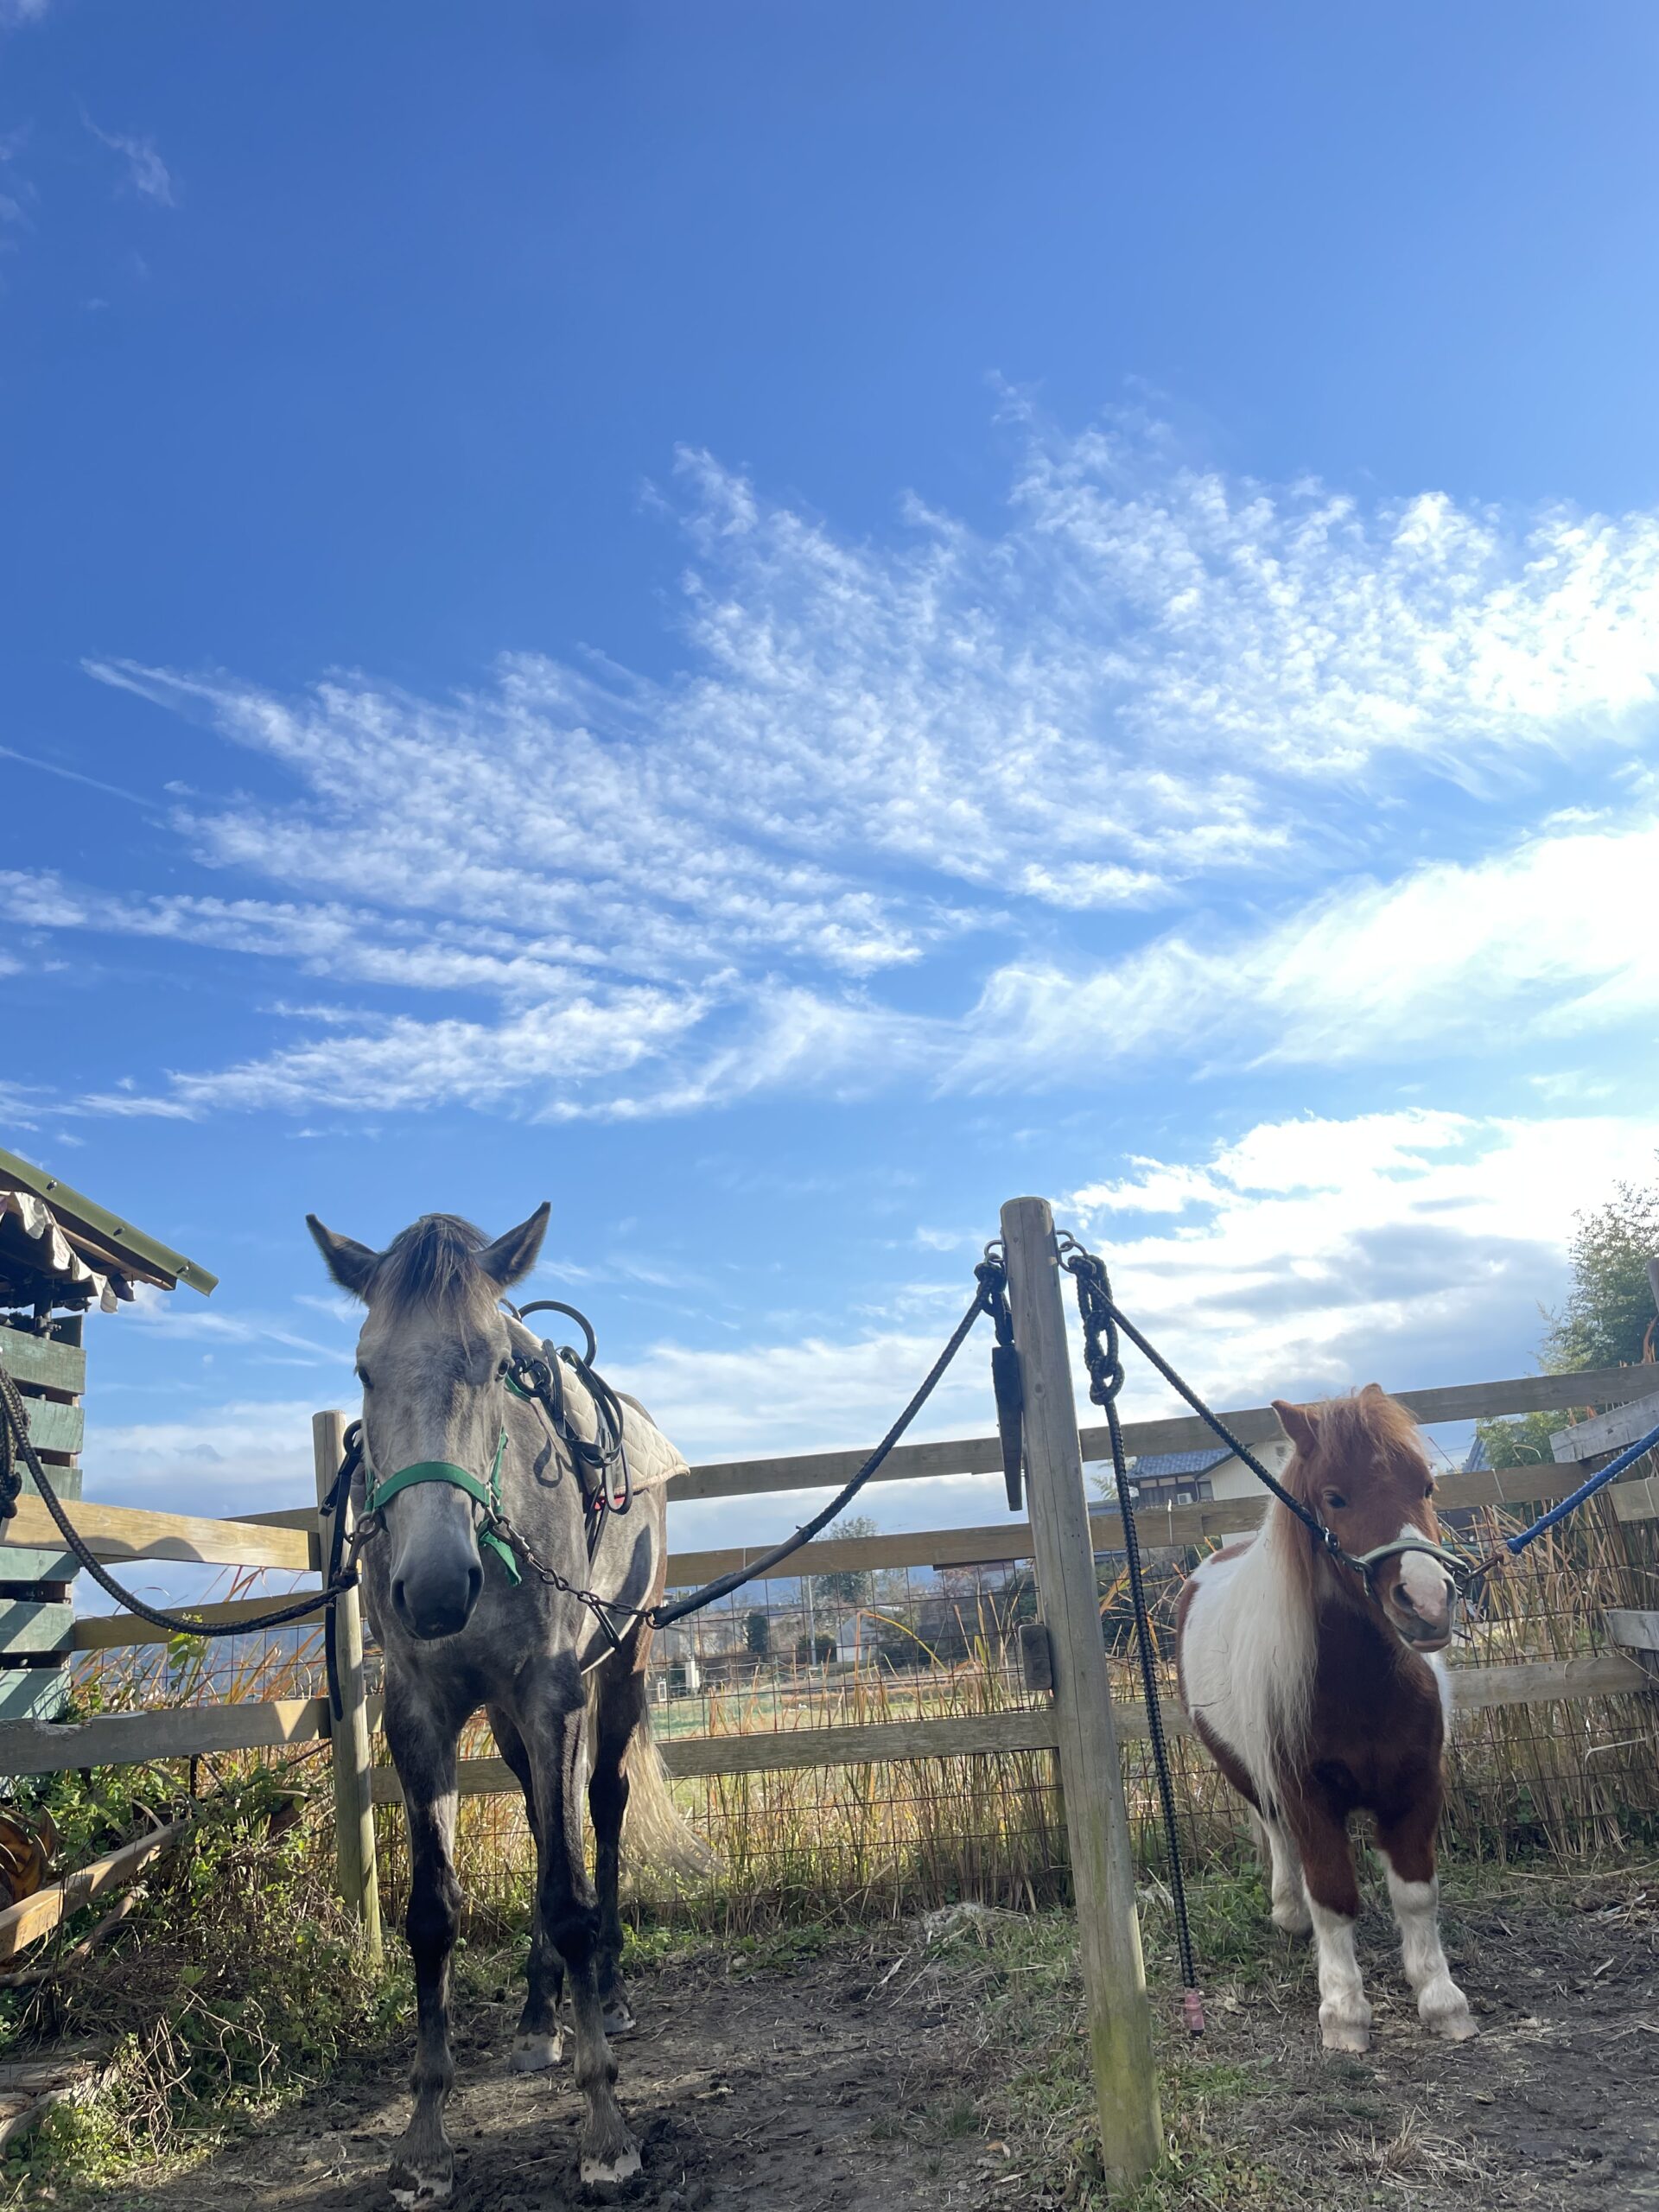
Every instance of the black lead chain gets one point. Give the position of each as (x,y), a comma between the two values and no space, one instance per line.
(1006,1383)
(1102,1357)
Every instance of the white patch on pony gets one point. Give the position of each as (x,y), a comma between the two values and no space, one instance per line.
(1248,1653)
(1437,1667)
(1344,2016)
(1441,2005)
(424,2192)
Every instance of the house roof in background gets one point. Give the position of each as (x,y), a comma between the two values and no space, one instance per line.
(1151,1465)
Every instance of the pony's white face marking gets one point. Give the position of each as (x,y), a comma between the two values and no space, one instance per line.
(1428,1593)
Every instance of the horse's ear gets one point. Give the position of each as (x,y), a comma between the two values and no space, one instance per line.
(513,1256)
(351,1264)
(1300,1425)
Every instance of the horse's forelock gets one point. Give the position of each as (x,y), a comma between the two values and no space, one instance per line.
(1365,1421)
(433,1262)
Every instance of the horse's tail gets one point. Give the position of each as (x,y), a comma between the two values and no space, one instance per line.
(653,1827)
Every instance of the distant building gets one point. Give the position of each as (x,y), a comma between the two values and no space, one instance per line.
(1198,1478)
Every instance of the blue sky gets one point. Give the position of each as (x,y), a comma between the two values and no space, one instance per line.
(778,624)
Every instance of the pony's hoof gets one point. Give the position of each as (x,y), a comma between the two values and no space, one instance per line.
(536,2054)
(1345,2023)
(429,2185)
(597,2172)
(1455,2027)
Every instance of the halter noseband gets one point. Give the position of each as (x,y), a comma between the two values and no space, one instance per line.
(487,1494)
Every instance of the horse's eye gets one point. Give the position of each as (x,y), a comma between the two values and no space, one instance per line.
(501,1370)
(1334,1501)
(363,1377)
(1428,1489)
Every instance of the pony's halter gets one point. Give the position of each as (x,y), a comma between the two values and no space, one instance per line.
(378,1494)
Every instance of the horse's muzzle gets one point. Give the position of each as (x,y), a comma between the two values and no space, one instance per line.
(436,1598)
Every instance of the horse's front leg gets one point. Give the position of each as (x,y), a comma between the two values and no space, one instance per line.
(1334,1905)
(424,1748)
(1414,1889)
(552,1729)
(539,2044)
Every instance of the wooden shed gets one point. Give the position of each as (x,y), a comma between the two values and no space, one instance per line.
(60,1254)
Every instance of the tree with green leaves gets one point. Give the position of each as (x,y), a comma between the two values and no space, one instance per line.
(847,1585)
(757,1635)
(1608,1320)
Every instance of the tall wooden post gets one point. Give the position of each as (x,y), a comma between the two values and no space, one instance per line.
(354,1855)
(1097,1819)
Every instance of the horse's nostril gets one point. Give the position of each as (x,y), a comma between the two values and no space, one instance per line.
(474,1585)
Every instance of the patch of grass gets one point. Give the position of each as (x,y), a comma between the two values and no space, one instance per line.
(235,1990)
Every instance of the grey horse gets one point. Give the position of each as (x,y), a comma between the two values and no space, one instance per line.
(459,1634)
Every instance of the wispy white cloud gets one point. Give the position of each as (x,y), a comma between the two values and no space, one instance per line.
(1155,688)
(147,173)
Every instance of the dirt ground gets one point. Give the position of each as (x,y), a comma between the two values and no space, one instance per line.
(894,2072)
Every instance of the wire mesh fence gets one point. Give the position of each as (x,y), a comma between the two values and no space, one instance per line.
(859,1646)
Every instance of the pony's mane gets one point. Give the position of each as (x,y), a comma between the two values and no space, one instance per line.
(1364,1422)
(433,1262)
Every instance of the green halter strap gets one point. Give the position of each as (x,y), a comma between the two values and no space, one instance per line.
(488,1495)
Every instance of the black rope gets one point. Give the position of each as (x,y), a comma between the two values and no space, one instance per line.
(1310,1521)
(17,1444)
(992,1286)
(1105,1367)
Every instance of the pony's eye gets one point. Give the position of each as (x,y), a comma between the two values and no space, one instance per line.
(1428,1489)
(1334,1501)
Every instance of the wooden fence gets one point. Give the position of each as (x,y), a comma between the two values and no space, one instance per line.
(1079,1723)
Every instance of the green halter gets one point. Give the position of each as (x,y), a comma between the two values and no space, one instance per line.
(488,1495)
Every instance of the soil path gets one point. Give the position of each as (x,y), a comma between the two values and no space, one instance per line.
(888,2077)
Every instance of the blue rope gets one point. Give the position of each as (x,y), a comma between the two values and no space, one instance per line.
(1515,1545)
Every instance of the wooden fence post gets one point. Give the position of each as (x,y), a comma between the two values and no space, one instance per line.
(349,1754)
(1097,1819)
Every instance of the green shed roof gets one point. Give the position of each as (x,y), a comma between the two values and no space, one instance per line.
(107,1242)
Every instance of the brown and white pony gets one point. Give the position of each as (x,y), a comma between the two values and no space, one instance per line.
(1319,1696)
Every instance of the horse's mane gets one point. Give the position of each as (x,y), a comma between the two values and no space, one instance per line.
(1367,1421)
(433,1262)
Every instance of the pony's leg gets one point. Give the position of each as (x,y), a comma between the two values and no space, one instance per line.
(1414,1889)
(1333,1906)
(539,2044)
(618,1700)
(551,1721)
(1278,1849)
(423,1747)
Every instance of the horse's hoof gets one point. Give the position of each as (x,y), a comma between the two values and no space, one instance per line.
(1456,2027)
(619,2023)
(596,2172)
(409,2187)
(536,2054)
(1344,2034)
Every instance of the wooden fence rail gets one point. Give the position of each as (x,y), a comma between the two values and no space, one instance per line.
(193,1731)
